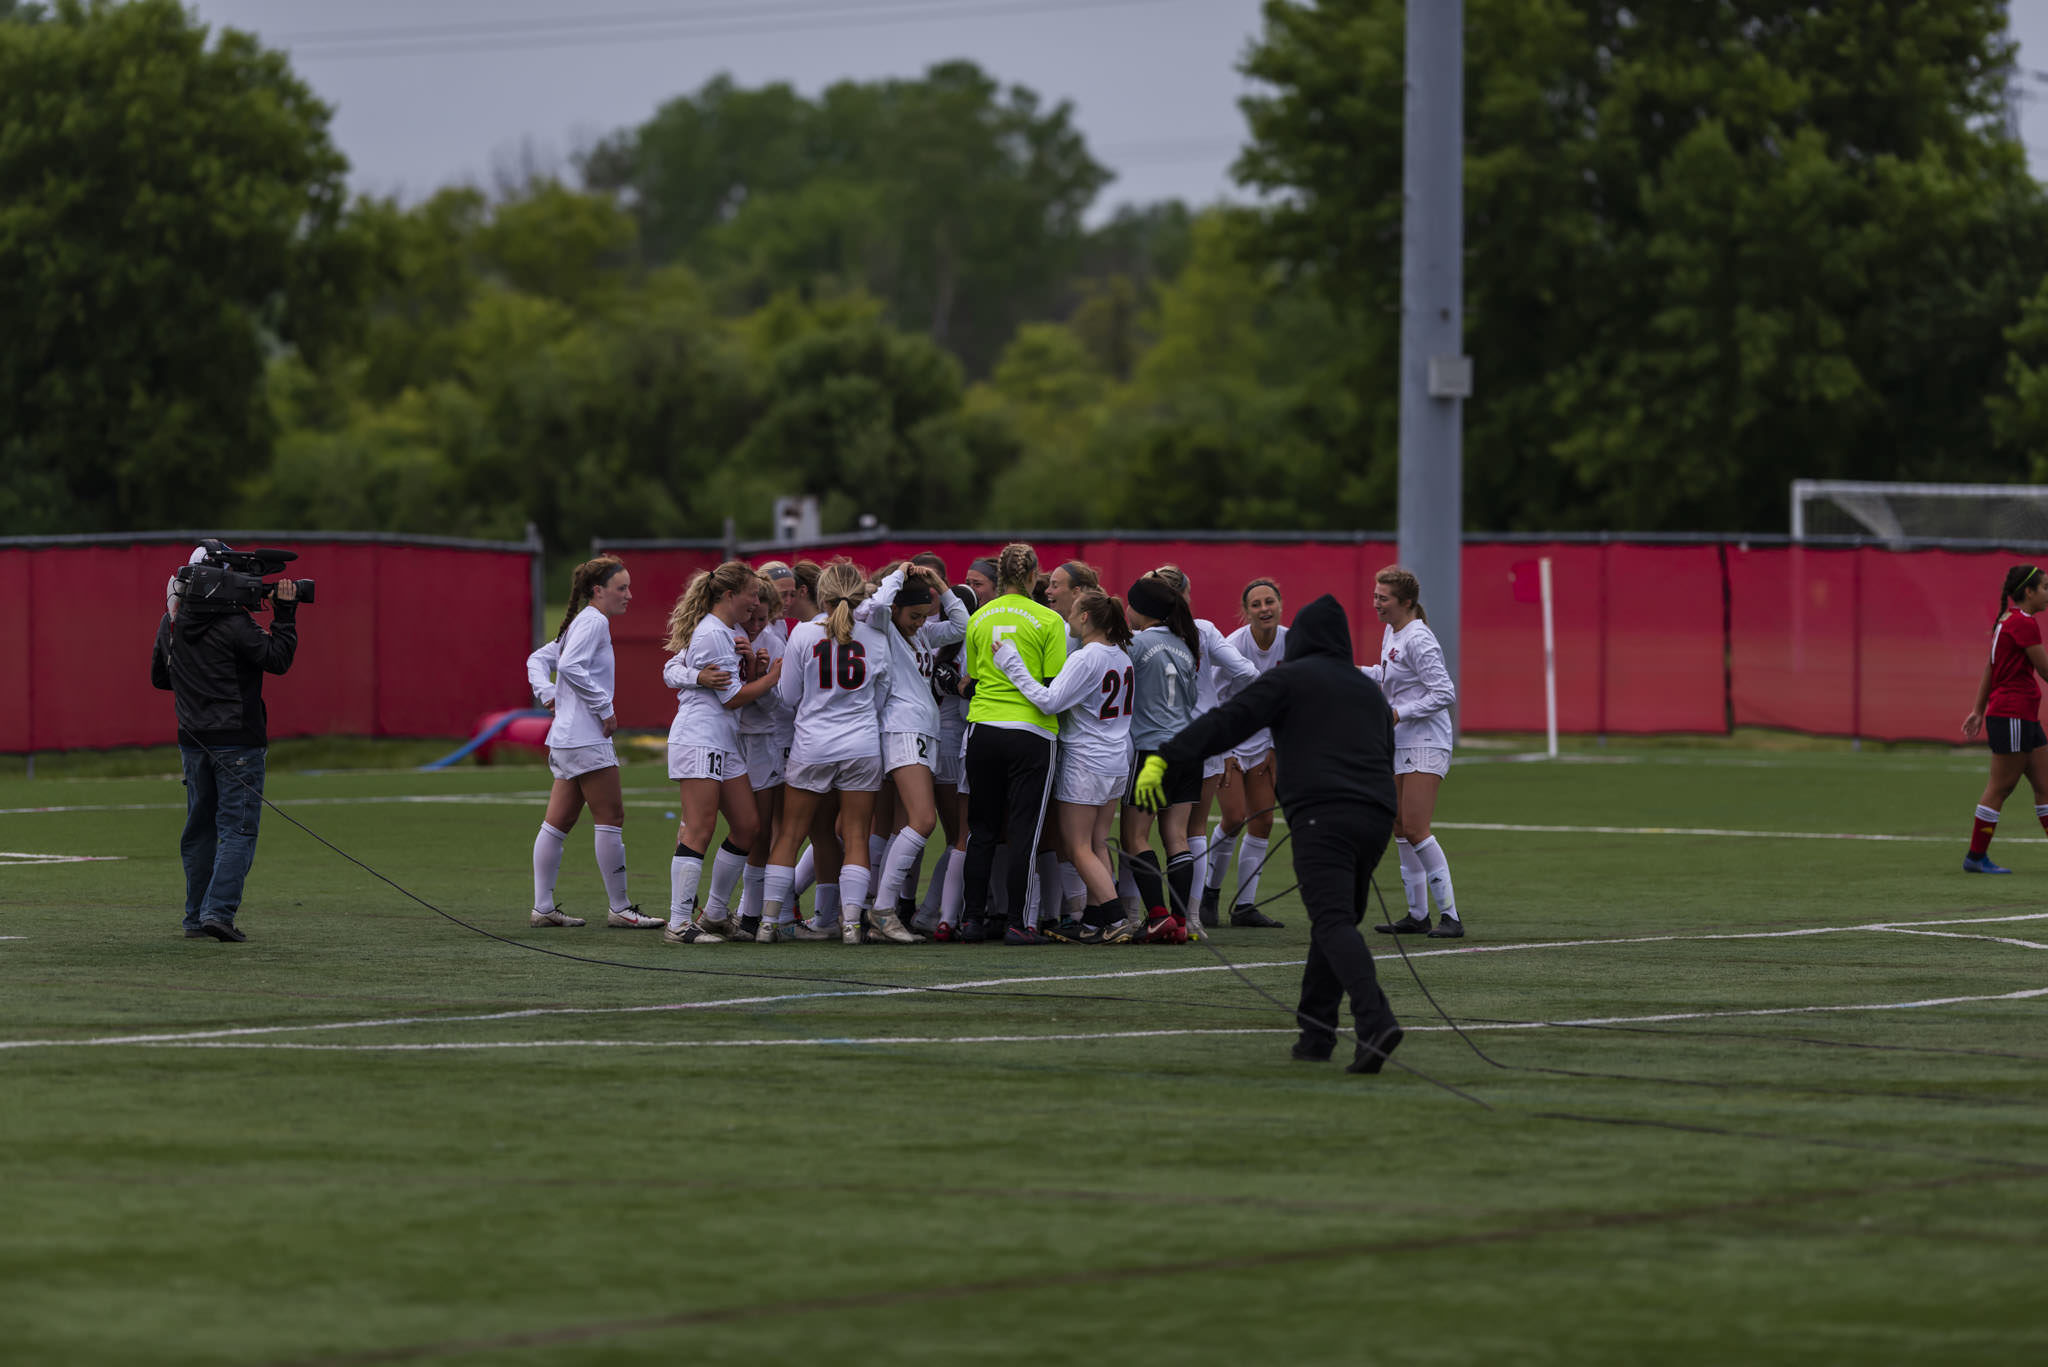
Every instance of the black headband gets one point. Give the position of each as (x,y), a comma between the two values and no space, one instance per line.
(1153,598)
(988,569)
(915,593)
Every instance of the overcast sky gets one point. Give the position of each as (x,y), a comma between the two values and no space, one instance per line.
(1153,82)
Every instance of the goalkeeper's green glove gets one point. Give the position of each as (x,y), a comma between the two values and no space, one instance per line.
(1151,788)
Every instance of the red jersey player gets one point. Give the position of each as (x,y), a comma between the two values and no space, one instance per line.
(2008,710)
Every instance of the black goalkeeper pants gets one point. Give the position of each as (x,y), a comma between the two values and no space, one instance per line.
(1336,848)
(1009,782)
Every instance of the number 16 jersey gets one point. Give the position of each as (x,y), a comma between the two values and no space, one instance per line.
(836,689)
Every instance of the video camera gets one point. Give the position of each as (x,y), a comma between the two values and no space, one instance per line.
(228,580)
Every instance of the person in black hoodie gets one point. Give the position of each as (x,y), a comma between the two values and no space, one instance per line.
(1333,736)
(214,663)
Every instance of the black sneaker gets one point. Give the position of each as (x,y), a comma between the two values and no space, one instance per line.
(1251,916)
(1212,903)
(1025,935)
(222,931)
(1448,928)
(1407,925)
(1313,1049)
(1074,931)
(195,933)
(1373,1050)
(972,931)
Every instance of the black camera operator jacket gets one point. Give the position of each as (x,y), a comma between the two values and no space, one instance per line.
(215,663)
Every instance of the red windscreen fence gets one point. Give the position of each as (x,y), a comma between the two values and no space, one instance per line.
(1651,636)
(407,638)
(422,637)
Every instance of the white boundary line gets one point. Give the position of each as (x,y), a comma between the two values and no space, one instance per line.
(1519,828)
(528,1013)
(19,859)
(830,1041)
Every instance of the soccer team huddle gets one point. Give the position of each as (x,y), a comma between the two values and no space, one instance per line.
(838,722)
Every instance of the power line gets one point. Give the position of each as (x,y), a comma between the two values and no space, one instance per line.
(804,17)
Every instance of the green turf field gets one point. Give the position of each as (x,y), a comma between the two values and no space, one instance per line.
(1754,1099)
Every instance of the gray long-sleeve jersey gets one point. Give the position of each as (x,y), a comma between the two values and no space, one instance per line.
(1164,682)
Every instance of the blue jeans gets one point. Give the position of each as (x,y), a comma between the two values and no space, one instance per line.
(221,817)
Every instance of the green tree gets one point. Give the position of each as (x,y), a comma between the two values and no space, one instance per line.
(1709,247)
(171,208)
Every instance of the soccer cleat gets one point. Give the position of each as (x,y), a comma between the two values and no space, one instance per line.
(1024,935)
(887,927)
(227,934)
(1124,932)
(1448,928)
(750,926)
(1981,863)
(849,926)
(973,931)
(1374,1051)
(801,929)
(926,923)
(1212,906)
(1071,930)
(722,927)
(766,933)
(556,917)
(1164,928)
(689,933)
(946,933)
(1407,925)
(1249,915)
(631,919)
(1194,928)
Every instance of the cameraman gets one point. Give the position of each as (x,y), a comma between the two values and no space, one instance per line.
(214,662)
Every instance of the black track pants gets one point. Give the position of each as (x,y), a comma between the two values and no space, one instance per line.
(1336,848)
(1009,780)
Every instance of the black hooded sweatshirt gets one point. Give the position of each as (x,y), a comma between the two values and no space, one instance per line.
(215,663)
(1333,733)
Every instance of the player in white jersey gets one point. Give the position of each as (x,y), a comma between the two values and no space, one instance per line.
(1417,684)
(1248,792)
(1092,695)
(762,724)
(940,914)
(704,746)
(1063,893)
(1222,667)
(919,616)
(580,754)
(835,676)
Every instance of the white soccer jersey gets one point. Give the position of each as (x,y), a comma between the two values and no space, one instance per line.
(765,715)
(911,707)
(702,717)
(838,691)
(584,680)
(540,673)
(1261,660)
(1412,674)
(1092,695)
(1222,666)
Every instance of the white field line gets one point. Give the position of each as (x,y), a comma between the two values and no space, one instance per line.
(537,798)
(528,1013)
(14,859)
(829,1041)
(1960,935)
(1519,828)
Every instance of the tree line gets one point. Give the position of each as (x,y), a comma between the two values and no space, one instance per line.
(1710,248)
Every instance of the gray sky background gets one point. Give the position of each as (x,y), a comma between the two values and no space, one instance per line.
(1153,82)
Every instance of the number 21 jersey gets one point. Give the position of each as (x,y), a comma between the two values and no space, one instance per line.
(837,690)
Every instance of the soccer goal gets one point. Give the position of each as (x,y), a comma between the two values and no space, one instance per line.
(2010,514)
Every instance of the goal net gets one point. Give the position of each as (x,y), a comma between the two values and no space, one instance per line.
(2008,514)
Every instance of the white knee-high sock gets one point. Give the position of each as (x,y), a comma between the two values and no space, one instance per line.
(685,868)
(1220,850)
(1251,862)
(611,864)
(547,865)
(853,892)
(898,866)
(878,849)
(752,883)
(1414,880)
(1198,846)
(954,894)
(935,891)
(806,871)
(828,903)
(778,897)
(1073,890)
(1439,870)
(726,869)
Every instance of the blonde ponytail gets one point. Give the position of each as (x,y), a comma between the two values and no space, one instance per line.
(841,587)
(706,589)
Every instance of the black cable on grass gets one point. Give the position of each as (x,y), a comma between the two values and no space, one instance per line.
(756,976)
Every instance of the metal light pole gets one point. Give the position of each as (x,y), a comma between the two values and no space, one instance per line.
(1436,375)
